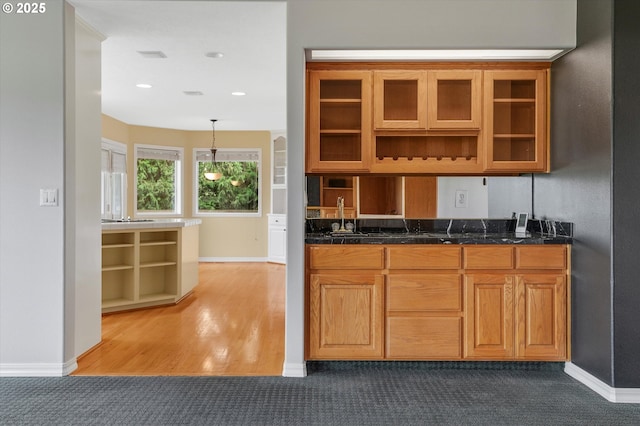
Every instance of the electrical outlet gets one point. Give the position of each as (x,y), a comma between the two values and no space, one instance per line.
(462,199)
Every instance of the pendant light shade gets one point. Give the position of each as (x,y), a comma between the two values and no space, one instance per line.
(212,174)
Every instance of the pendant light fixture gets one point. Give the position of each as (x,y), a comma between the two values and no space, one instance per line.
(212,174)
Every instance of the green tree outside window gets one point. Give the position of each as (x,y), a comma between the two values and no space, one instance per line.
(236,190)
(156,185)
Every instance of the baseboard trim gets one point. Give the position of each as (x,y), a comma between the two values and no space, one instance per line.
(611,394)
(232,259)
(294,369)
(38,369)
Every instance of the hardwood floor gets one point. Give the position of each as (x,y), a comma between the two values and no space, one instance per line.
(232,324)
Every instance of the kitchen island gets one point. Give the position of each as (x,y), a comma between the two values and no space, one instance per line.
(438,290)
(148,262)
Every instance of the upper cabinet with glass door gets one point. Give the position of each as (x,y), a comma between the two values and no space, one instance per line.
(427,100)
(339,121)
(515,125)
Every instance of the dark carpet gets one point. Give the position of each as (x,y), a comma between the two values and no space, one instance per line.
(334,393)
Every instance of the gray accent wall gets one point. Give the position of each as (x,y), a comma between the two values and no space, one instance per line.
(595,152)
(626,197)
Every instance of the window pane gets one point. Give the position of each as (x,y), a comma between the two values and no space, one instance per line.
(117,197)
(156,184)
(235,191)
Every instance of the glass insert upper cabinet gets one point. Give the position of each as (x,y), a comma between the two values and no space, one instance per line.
(433,100)
(515,121)
(339,121)
(454,100)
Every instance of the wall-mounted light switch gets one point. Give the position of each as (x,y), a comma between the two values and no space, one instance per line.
(49,197)
(462,198)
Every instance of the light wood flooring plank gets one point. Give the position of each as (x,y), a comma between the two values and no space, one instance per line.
(232,324)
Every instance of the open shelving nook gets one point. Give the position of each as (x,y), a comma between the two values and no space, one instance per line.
(416,153)
(140,268)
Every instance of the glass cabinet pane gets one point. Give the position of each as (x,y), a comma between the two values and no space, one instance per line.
(401,100)
(454,100)
(516,120)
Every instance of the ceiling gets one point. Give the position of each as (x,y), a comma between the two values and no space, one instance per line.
(250,34)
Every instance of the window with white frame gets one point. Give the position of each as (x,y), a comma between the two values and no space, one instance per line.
(113,180)
(230,186)
(158,185)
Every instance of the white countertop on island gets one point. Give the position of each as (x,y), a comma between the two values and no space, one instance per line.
(150,224)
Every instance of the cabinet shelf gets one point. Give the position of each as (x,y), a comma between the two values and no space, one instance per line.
(341,101)
(113,246)
(116,267)
(340,131)
(514,136)
(157,297)
(157,243)
(155,264)
(514,100)
(112,303)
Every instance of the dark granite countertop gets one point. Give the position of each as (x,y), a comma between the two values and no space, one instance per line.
(438,231)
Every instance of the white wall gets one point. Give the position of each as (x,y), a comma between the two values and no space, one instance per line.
(473,189)
(82,209)
(398,24)
(32,138)
(49,256)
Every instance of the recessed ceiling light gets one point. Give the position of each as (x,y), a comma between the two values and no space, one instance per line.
(152,54)
(144,86)
(214,54)
(238,93)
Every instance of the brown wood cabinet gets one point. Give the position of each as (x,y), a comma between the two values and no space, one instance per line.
(515,121)
(438,99)
(339,121)
(474,302)
(424,307)
(517,314)
(427,118)
(345,310)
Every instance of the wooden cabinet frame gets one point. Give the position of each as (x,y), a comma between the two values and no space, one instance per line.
(473,302)
(423,126)
(531,140)
(339,123)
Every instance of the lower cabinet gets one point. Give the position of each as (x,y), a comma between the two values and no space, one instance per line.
(277,238)
(516,316)
(438,302)
(346,316)
(424,316)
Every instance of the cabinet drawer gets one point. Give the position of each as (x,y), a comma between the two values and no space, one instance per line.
(424,292)
(424,337)
(488,257)
(346,257)
(436,257)
(545,257)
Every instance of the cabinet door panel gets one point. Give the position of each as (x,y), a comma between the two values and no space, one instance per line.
(541,316)
(400,99)
(515,120)
(454,100)
(339,121)
(345,316)
(424,337)
(489,316)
